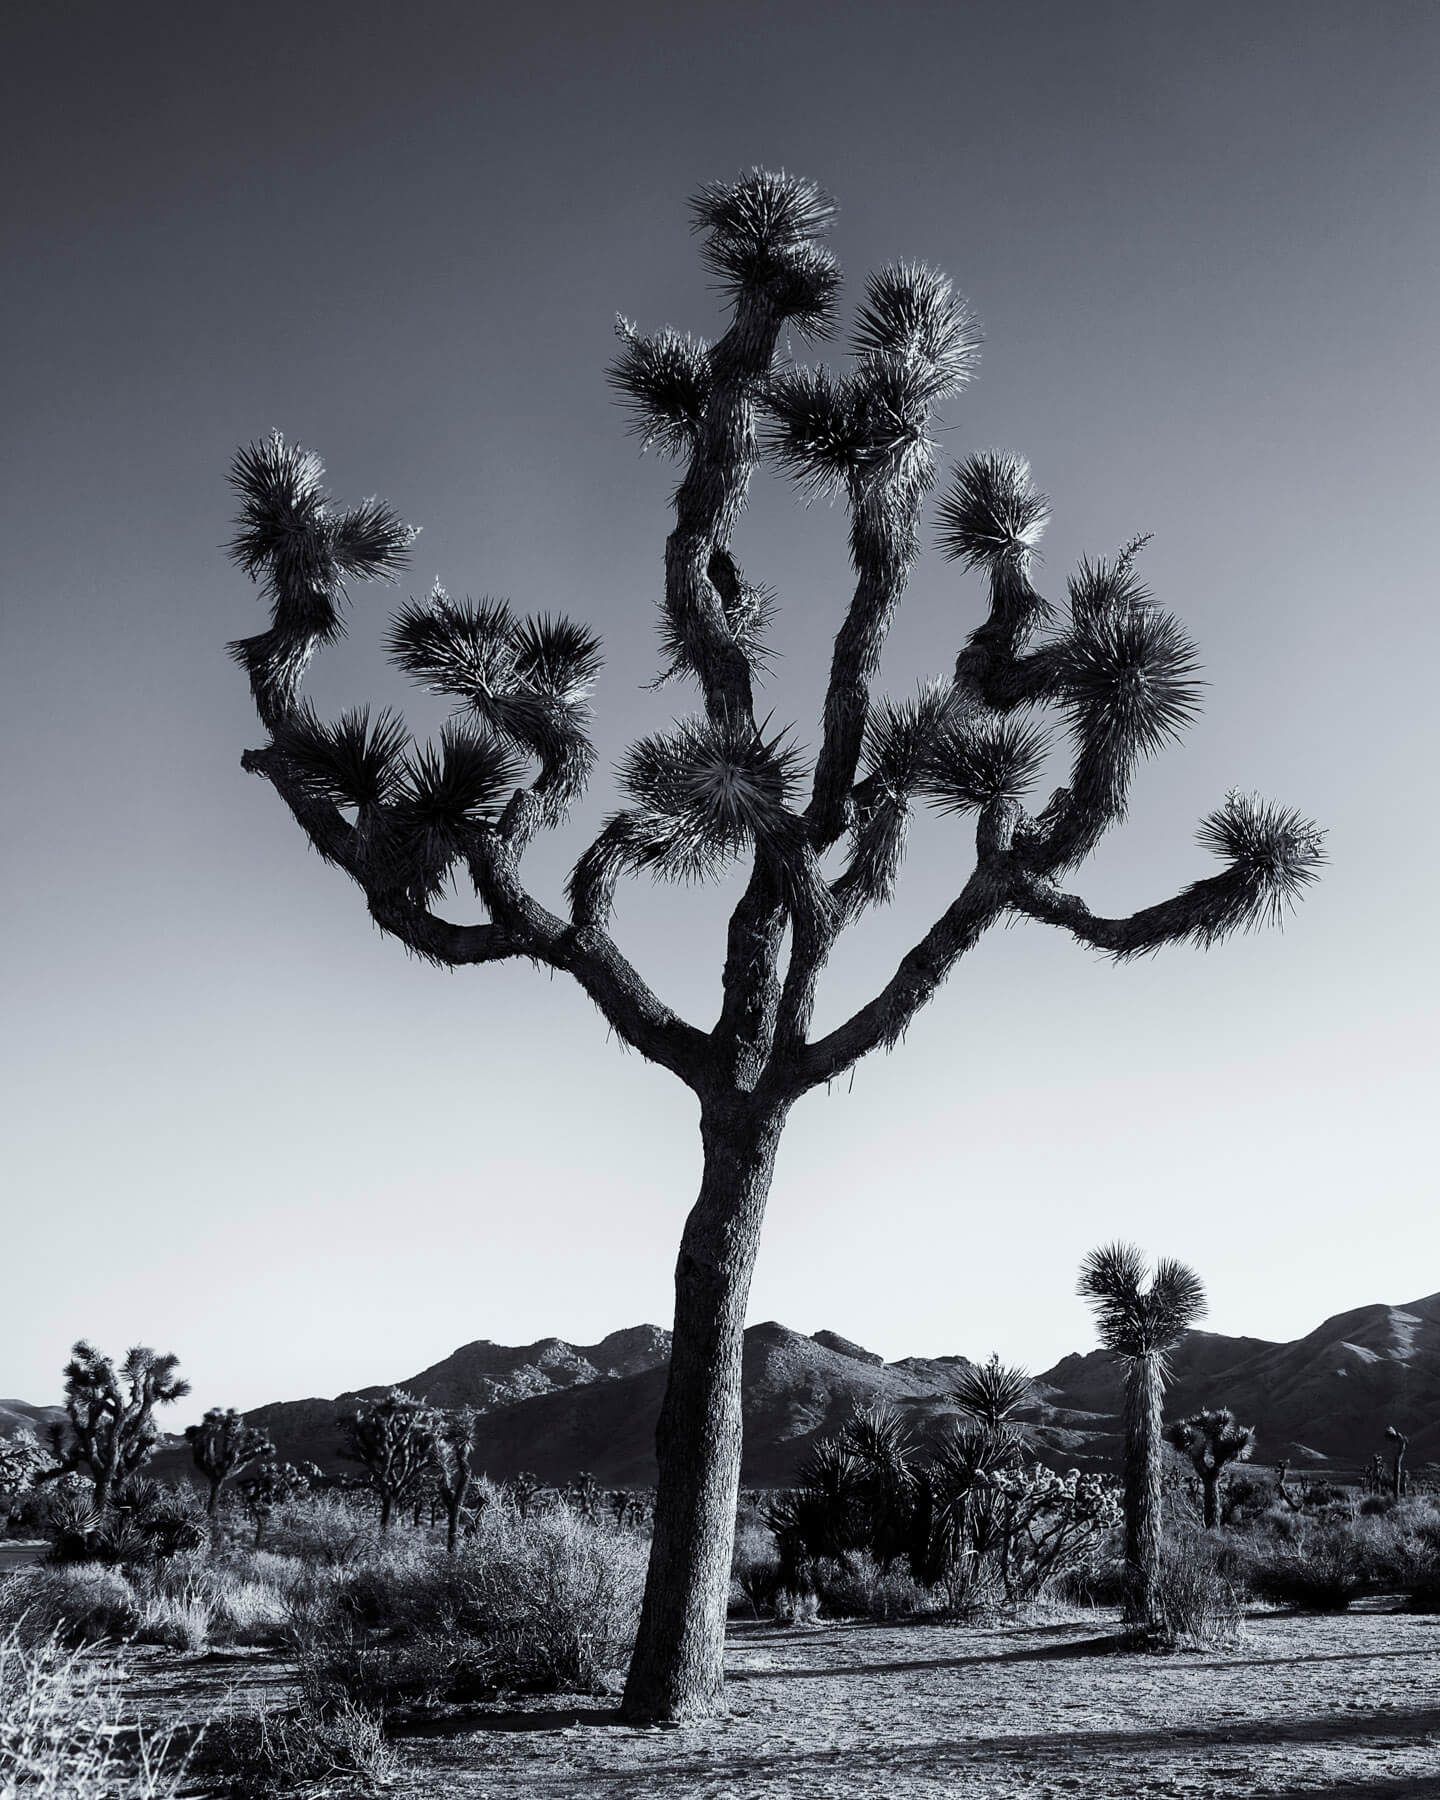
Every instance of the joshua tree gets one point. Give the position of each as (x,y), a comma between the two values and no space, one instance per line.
(1212,1439)
(394,1441)
(1400,1443)
(271,1485)
(454,1441)
(822,841)
(112,1428)
(222,1444)
(21,1463)
(1141,1325)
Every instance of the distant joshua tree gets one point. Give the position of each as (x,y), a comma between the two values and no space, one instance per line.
(222,1444)
(394,1439)
(1212,1439)
(1141,1325)
(112,1430)
(21,1462)
(824,840)
(454,1443)
(270,1485)
(1399,1444)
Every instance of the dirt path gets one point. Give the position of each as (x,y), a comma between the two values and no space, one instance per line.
(1347,1708)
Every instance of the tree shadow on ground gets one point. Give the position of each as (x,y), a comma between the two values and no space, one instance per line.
(1401,1787)
(1041,1755)
(1114,1643)
(470,1720)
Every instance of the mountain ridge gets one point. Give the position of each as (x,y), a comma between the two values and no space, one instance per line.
(1322,1400)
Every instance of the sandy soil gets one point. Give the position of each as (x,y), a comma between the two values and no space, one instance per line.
(1348,1708)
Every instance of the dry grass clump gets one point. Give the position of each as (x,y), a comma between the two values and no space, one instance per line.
(63,1731)
(324,1738)
(1194,1604)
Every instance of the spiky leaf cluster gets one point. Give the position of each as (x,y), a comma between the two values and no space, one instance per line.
(705,793)
(911,315)
(353,762)
(915,342)
(989,516)
(992,1391)
(975,763)
(1134,1320)
(717,788)
(526,680)
(445,795)
(663,381)
(1125,674)
(899,742)
(762,234)
(1104,588)
(287,535)
(1274,853)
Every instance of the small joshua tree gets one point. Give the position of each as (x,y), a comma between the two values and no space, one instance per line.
(824,840)
(394,1441)
(1141,1325)
(222,1444)
(270,1485)
(112,1429)
(454,1442)
(1212,1439)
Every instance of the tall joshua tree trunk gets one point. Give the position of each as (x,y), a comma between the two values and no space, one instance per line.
(677,1671)
(1144,1397)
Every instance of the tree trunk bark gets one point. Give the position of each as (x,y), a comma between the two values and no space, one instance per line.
(385,1504)
(1211,1486)
(1143,1395)
(677,1671)
(212,1505)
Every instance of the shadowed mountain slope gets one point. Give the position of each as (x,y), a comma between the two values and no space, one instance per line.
(557,1408)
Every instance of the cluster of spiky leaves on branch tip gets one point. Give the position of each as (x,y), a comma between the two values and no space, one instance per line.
(1110,671)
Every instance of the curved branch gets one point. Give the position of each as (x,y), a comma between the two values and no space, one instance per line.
(520,928)
(922,971)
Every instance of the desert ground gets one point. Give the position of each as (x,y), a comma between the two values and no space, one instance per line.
(1346,1707)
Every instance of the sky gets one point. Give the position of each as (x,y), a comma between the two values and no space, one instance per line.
(240,1124)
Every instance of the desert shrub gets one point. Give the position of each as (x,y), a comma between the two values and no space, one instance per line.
(1102,1581)
(548,1601)
(1402,1553)
(859,1586)
(331,1529)
(63,1732)
(87,1604)
(755,1570)
(796,1607)
(143,1523)
(1321,1570)
(258,1752)
(177,1621)
(1193,1603)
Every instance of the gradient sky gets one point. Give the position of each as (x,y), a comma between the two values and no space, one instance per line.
(1202,240)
